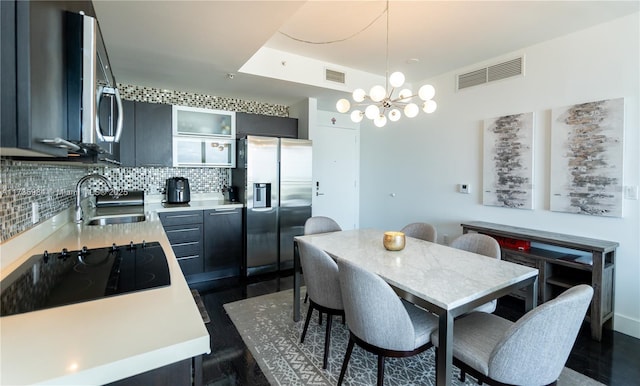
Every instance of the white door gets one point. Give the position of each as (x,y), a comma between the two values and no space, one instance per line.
(336,160)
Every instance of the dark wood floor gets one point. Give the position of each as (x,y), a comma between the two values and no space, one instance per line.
(614,361)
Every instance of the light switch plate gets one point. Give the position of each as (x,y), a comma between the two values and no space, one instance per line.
(631,192)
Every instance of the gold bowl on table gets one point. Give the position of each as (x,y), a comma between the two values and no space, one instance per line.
(393,241)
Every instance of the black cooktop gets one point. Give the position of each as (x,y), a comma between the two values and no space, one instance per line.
(57,279)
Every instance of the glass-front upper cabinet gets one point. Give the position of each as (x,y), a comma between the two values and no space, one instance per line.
(195,151)
(194,121)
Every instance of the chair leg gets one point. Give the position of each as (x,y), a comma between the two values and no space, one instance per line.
(345,362)
(306,322)
(306,297)
(380,370)
(463,376)
(327,341)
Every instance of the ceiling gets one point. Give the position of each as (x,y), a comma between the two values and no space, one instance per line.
(193,45)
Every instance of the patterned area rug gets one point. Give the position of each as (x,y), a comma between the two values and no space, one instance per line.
(266,326)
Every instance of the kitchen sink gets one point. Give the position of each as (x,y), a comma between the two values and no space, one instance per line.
(116,219)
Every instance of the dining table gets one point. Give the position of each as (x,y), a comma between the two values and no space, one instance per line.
(446,281)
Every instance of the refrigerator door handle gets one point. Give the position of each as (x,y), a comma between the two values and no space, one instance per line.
(262,209)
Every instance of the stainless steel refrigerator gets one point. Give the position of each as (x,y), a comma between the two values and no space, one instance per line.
(273,177)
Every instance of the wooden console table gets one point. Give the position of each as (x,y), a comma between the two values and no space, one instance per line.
(559,270)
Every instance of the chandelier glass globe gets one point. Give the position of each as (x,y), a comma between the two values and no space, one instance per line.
(359,95)
(372,111)
(429,106)
(380,120)
(377,93)
(426,92)
(405,95)
(396,79)
(343,105)
(356,116)
(411,110)
(394,115)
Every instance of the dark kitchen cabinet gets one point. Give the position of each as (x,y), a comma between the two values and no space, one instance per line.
(207,244)
(34,82)
(222,242)
(128,138)
(146,138)
(184,231)
(265,125)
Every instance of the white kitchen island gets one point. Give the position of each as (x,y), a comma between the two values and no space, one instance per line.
(101,341)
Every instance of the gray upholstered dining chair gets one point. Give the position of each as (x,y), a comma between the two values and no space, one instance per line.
(421,230)
(319,224)
(483,245)
(477,243)
(323,287)
(378,320)
(531,351)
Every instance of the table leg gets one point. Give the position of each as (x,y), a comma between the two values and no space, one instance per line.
(531,300)
(296,282)
(444,366)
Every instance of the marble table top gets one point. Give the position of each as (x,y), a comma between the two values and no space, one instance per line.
(445,277)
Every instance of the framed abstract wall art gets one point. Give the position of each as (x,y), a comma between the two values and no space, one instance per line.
(508,161)
(586,158)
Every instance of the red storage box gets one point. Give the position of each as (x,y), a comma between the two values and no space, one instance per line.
(506,242)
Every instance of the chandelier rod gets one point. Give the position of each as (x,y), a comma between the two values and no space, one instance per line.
(386,88)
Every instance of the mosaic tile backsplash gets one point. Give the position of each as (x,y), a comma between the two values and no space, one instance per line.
(52,187)
(153,180)
(181,98)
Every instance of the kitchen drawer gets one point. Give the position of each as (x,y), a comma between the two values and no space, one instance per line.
(181,218)
(183,233)
(191,264)
(187,249)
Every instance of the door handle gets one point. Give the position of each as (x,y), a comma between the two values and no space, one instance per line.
(319,194)
(106,138)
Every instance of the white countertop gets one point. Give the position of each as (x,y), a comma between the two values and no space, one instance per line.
(101,341)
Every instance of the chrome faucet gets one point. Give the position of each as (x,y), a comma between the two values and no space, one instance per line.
(78,212)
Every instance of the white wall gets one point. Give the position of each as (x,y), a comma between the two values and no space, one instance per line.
(422,160)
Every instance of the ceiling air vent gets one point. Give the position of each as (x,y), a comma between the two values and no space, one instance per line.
(334,76)
(505,70)
(472,78)
(492,73)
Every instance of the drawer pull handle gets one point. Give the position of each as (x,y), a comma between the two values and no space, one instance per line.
(184,230)
(220,213)
(188,257)
(184,244)
(182,215)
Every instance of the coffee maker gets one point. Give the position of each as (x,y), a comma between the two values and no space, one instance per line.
(232,193)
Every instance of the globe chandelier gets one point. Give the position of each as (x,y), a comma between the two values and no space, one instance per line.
(381,104)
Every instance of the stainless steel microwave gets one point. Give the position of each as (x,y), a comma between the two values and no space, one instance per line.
(94,106)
